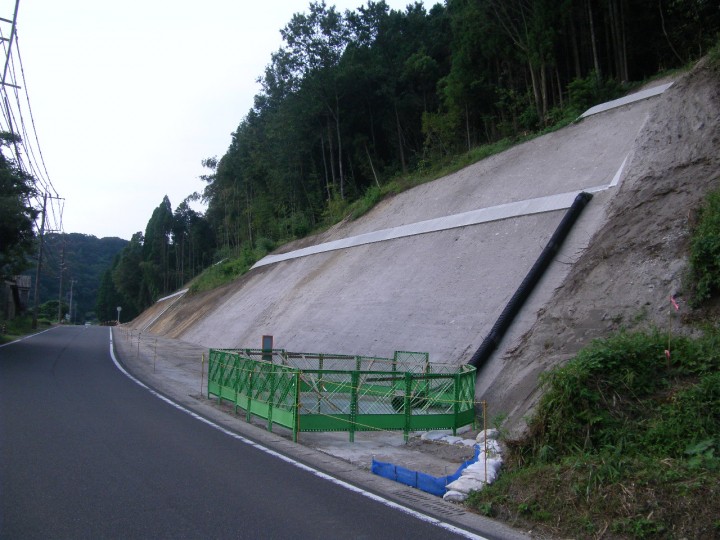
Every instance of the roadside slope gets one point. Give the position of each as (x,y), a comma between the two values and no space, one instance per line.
(442,291)
(637,260)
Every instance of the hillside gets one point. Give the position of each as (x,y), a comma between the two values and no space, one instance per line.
(441,291)
(638,259)
(83,259)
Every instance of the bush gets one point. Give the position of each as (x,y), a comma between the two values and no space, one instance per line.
(591,90)
(623,391)
(627,440)
(705,251)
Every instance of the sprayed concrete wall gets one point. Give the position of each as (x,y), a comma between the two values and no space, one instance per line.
(440,291)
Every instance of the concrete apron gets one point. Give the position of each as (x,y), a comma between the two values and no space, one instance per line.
(175,368)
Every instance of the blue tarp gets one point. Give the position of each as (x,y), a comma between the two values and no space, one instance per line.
(420,480)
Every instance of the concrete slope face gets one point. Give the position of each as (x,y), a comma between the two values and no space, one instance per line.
(440,291)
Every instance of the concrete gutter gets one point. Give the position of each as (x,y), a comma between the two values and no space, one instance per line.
(637,96)
(177,296)
(474,217)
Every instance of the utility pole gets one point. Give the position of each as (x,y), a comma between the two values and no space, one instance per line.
(41,234)
(39,263)
(72,282)
(62,267)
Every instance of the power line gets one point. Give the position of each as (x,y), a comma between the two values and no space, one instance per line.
(27,152)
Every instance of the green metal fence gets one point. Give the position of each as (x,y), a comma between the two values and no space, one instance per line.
(331,392)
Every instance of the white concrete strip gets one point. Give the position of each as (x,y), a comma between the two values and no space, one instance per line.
(637,96)
(291,461)
(539,205)
(172,295)
(178,295)
(618,174)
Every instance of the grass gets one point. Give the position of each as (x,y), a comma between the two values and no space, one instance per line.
(623,444)
(230,267)
(705,251)
(19,327)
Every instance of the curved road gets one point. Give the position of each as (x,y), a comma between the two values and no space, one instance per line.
(86,452)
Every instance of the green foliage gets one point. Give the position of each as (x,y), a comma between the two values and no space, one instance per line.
(336,210)
(372,196)
(49,311)
(705,250)
(714,55)
(84,259)
(231,268)
(619,426)
(377,99)
(19,326)
(360,105)
(588,91)
(620,392)
(16,213)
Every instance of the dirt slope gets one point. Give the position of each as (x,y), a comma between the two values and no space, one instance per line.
(442,292)
(636,261)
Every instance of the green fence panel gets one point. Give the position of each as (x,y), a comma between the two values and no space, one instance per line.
(332,392)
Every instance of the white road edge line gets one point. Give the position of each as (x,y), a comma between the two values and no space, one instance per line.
(320,474)
(25,337)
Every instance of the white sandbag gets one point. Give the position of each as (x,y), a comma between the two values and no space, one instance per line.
(477,470)
(455,496)
(465,485)
(493,447)
(435,435)
(451,439)
(492,463)
(479,476)
(468,442)
(487,434)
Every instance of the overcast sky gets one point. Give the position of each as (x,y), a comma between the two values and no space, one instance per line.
(130,96)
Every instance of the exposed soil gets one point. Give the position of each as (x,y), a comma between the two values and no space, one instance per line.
(638,259)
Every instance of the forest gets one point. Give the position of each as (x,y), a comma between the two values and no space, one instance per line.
(355,105)
(70,276)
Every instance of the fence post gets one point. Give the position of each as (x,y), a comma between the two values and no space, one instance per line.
(202,374)
(271,397)
(407,404)
(296,420)
(251,382)
(456,402)
(354,382)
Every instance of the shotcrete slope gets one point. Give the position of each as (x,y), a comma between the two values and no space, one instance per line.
(441,292)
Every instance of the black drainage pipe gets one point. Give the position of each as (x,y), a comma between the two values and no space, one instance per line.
(492,341)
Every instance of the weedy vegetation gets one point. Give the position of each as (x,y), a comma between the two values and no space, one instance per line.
(624,444)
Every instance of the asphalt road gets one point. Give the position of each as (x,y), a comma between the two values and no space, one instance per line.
(85,452)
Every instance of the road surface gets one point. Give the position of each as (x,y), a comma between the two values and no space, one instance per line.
(87,452)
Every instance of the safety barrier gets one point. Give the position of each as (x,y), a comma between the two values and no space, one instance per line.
(436,485)
(332,392)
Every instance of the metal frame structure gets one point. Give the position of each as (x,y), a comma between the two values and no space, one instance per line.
(332,392)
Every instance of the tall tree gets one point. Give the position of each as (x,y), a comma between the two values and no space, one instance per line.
(156,265)
(16,212)
(315,43)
